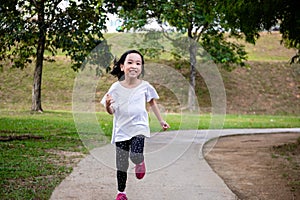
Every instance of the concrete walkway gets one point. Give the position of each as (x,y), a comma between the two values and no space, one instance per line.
(175,170)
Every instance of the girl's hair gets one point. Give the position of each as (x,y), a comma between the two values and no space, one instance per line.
(116,71)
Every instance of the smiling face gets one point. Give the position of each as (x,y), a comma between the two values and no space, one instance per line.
(132,66)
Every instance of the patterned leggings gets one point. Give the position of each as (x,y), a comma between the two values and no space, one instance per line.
(132,148)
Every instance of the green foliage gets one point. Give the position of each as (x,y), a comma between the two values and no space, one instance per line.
(288,13)
(250,17)
(224,52)
(199,20)
(151,45)
(207,19)
(99,58)
(29,28)
(76,29)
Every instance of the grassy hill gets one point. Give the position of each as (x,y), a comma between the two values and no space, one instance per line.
(39,150)
(269,86)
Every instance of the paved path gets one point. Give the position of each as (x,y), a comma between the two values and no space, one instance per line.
(175,170)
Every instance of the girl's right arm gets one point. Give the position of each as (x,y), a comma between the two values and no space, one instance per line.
(108,104)
(156,111)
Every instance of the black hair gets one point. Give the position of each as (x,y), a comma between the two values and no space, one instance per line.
(116,71)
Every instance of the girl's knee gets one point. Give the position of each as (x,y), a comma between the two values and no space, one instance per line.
(136,158)
(122,165)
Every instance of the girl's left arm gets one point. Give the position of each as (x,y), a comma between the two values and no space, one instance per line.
(156,111)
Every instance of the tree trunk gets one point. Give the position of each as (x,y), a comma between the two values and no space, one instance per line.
(193,62)
(36,89)
(37,78)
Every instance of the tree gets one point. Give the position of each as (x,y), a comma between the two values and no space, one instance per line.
(199,19)
(29,28)
(289,18)
(207,21)
(253,16)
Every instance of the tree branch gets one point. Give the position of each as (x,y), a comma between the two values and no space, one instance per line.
(165,33)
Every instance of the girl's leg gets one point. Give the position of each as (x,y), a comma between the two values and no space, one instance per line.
(122,163)
(137,156)
(137,149)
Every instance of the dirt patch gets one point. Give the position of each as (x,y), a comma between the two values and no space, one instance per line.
(264,166)
(65,158)
(19,137)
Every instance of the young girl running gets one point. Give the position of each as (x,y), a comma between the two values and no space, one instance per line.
(126,100)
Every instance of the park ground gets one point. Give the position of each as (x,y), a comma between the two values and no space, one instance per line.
(264,166)
(254,166)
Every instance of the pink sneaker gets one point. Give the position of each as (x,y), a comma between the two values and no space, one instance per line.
(121,196)
(140,170)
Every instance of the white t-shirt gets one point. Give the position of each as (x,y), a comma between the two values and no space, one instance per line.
(130,116)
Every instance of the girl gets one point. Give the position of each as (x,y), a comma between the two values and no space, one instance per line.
(126,100)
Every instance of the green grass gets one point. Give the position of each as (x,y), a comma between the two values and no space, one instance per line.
(207,121)
(261,121)
(50,145)
(58,79)
(268,48)
(31,168)
(57,86)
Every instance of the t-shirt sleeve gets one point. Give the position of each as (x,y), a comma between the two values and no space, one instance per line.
(103,102)
(151,93)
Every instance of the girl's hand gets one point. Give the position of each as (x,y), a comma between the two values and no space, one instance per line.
(164,125)
(109,100)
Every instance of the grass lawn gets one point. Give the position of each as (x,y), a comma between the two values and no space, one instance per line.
(39,150)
